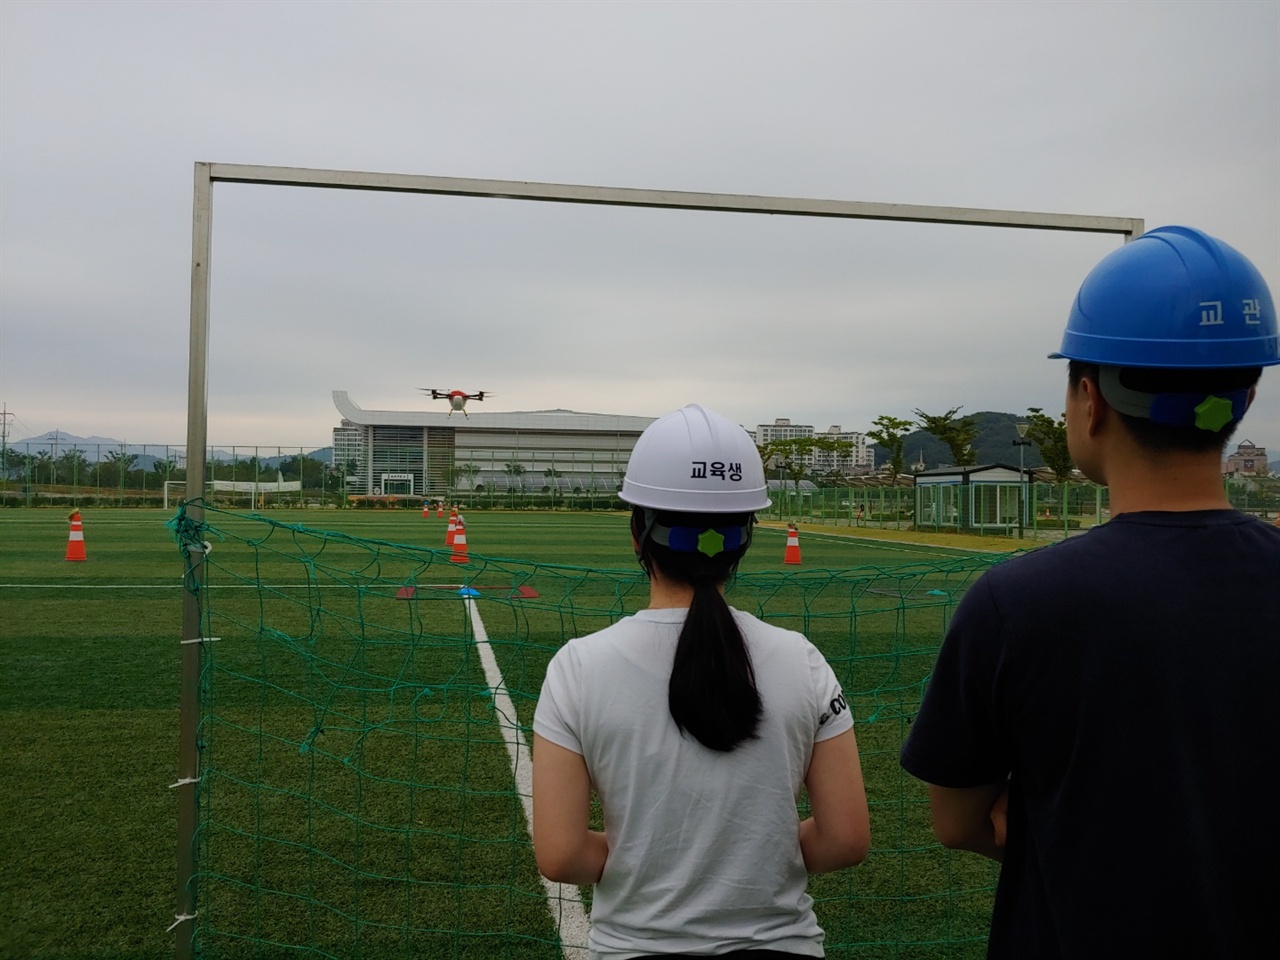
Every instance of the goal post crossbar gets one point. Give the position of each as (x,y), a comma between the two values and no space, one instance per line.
(1129,227)
(197,384)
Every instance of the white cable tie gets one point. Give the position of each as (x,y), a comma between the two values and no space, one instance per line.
(178,918)
(199,640)
(184,781)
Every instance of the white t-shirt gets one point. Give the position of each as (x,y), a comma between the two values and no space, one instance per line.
(704,846)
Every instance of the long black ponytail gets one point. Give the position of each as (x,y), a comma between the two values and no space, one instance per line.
(712,692)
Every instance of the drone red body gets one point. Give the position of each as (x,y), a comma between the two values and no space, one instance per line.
(457,398)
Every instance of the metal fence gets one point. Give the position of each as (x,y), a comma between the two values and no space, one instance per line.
(253,477)
(1031,510)
(52,473)
(998,510)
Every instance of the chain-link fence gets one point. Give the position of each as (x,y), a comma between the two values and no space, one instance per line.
(256,477)
(50,473)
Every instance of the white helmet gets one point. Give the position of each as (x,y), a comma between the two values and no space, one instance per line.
(695,461)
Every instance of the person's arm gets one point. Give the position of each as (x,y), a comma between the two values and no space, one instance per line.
(566,851)
(971,818)
(839,832)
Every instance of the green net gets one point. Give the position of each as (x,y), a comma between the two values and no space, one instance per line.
(366,710)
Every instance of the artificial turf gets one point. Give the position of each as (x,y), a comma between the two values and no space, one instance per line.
(396,833)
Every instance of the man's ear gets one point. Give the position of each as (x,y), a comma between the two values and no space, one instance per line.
(1096,407)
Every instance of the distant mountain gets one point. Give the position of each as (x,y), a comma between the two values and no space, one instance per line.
(993,444)
(64,441)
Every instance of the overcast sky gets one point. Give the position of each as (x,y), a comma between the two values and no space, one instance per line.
(1165,111)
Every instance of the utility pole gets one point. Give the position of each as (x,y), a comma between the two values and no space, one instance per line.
(4,447)
(1022,443)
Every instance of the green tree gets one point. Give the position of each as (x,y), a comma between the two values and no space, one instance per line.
(516,472)
(43,469)
(551,486)
(839,449)
(958,433)
(11,463)
(71,466)
(250,468)
(787,458)
(463,472)
(123,460)
(347,472)
(1050,437)
(307,469)
(890,433)
(115,467)
(793,457)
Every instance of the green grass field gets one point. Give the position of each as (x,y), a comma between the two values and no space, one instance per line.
(358,799)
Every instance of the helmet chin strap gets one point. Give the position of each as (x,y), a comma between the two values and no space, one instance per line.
(650,519)
(1207,411)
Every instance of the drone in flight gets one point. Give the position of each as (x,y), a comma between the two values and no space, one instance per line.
(457,398)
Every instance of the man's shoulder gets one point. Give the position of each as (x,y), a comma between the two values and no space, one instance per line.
(1267,532)
(1058,570)
(1065,554)
(1137,547)
(1137,530)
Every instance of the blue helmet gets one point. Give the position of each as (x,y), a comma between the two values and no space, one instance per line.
(1175,298)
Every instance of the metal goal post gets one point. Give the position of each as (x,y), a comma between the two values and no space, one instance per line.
(206,174)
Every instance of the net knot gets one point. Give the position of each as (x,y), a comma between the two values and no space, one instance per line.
(187,530)
(309,740)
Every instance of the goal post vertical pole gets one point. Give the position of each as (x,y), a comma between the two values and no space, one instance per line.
(189,695)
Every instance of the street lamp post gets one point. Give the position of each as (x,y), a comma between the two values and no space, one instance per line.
(1021,443)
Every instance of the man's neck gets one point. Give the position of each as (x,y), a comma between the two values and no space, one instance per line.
(1171,482)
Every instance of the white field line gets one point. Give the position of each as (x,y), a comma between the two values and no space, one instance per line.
(571,918)
(94,586)
(218,586)
(178,586)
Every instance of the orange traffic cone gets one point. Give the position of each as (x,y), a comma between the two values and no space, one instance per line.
(452,529)
(75,542)
(439,510)
(792,554)
(459,543)
(426,510)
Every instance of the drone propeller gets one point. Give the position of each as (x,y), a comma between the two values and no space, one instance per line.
(437,394)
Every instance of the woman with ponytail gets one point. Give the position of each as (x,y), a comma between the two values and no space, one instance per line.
(696,725)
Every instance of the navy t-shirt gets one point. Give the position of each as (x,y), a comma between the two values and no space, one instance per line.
(1127,683)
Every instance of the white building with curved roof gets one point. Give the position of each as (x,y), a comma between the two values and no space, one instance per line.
(428,453)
